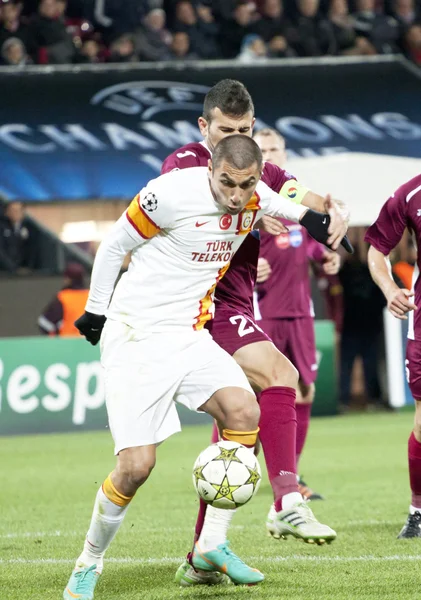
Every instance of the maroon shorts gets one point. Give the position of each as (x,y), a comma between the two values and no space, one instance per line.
(232,329)
(295,339)
(413,367)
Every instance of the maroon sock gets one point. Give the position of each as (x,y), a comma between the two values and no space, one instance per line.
(414,461)
(303,421)
(215,434)
(278,425)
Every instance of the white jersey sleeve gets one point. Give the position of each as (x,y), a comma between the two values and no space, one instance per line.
(276,205)
(150,211)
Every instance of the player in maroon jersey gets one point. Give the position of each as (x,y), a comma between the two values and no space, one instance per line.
(403,210)
(228,109)
(288,318)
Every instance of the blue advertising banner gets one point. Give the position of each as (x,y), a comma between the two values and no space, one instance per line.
(83,132)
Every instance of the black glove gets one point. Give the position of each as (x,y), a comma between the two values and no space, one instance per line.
(90,326)
(317,225)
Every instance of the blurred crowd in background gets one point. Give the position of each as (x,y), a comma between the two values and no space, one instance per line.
(126,31)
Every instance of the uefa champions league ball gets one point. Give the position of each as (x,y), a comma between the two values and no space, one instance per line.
(226,475)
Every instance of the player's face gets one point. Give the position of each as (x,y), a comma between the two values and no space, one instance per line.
(273,149)
(231,188)
(221,126)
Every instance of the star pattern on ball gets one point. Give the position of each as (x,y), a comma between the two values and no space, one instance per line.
(227,456)
(225,490)
(198,473)
(254,477)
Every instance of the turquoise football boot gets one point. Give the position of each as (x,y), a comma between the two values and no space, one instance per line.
(81,584)
(222,559)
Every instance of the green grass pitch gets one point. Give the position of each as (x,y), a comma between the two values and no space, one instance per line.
(48,484)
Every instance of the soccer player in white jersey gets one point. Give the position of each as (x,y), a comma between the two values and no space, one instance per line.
(182,230)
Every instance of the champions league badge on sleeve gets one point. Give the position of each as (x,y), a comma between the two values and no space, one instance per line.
(150,202)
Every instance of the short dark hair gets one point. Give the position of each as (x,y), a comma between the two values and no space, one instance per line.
(239,151)
(230,96)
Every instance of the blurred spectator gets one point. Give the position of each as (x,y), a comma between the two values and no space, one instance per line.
(123,50)
(13,52)
(202,32)
(405,12)
(404,269)
(272,27)
(347,41)
(89,53)
(253,49)
(180,47)
(152,40)
(18,240)
(311,34)
(382,31)
(363,304)
(10,23)
(412,44)
(117,17)
(69,304)
(48,39)
(236,28)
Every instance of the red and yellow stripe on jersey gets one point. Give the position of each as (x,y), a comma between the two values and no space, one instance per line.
(140,220)
(206,302)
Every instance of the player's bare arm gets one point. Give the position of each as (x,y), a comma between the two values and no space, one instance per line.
(398,300)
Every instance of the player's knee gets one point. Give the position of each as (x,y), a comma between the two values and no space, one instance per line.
(417,421)
(136,470)
(279,372)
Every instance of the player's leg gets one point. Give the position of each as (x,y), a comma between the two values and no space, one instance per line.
(412,527)
(300,348)
(221,389)
(272,372)
(141,414)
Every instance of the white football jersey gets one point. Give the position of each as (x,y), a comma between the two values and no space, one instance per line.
(182,243)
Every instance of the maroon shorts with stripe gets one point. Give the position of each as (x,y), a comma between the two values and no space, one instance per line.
(232,329)
(413,367)
(296,340)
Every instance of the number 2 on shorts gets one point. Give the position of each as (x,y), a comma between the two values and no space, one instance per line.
(244,325)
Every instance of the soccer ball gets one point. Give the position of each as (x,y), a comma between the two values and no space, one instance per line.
(226,475)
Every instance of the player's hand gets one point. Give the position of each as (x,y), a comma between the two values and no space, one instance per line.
(337,226)
(263,270)
(91,326)
(331,262)
(271,225)
(399,303)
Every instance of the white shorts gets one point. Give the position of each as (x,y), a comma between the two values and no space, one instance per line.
(146,375)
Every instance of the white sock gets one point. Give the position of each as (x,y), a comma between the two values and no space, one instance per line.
(215,527)
(106,519)
(291,499)
(413,509)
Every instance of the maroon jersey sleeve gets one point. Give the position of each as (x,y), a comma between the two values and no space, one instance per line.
(275,177)
(387,230)
(191,155)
